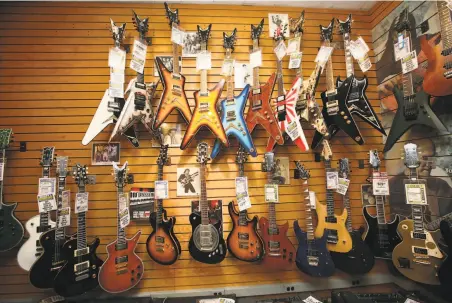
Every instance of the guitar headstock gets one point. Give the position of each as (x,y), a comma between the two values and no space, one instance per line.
(173,16)
(242,156)
(269,159)
(403,24)
(120,174)
(256,31)
(345,27)
(203,156)
(344,168)
(80,174)
(374,160)
(47,156)
(229,40)
(62,162)
(204,34)
(118,32)
(163,158)
(326,33)
(327,153)
(6,137)
(303,173)
(141,25)
(411,158)
(296,24)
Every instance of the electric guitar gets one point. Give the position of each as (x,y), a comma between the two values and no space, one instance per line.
(173,95)
(313,257)
(162,244)
(11,230)
(260,110)
(35,226)
(418,256)
(244,241)
(279,251)
(110,108)
(413,108)
(359,260)
(80,272)
(233,107)
(205,112)
(138,106)
(206,242)
(445,271)
(381,236)
(338,236)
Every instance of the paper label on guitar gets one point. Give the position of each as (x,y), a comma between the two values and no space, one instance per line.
(332,179)
(241,193)
(227,69)
(243,201)
(295,60)
(364,63)
(204,61)
(416,194)
(46,203)
(226,300)
(409,63)
(293,45)
(117,76)
(271,193)
(64,217)
(402,49)
(161,189)
(2,167)
(138,56)
(312,199)
(256,58)
(66,198)
(46,186)
(124,215)
(323,55)
(117,58)
(342,186)
(81,202)
(294,129)
(116,90)
(177,35)
(311,299)
(280,50)
(380,184)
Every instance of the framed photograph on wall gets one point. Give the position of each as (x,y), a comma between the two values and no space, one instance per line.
(168,62)
(105,153)
(278,23)
(172,135)
(188,182)
(282,173)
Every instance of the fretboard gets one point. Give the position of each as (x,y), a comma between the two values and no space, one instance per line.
(60,232)
(346,201)
(446,25)
(417,211)
(309,222)
(329,70)
(44,217)
(256,83)
(176,68)
(81,224)
(329,193)
(271,205)
(380,205)
(280,80)
(121,231)
(159,202)
(229,80)
(300,70)
(203,91)
(203,203)
(348,56)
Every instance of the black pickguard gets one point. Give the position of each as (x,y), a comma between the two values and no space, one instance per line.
(445,271)
(206,257)
(359,260)
(11,230)
(130,133)
(66,283)
(381,249)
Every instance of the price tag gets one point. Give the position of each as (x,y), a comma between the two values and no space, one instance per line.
(138,56)
(117,58)
(81,202)
(204,60)
(116,75)
(311,299)
(46,186)
(124,215)
(280,50)
(228,67)
(332,180)
(295,60)
(294,129)
(256,58)
(312,200)
(241,192)
(243,201)
(363,45)
(177,35)
(46,203)
(323,55)
(293,45)
(364,63)
(226,300)
(342,186)
(409,63)
(2,167)
(271,193)
(402,48)
(64,217)
(66,198)
(161,189)
(380,184)
(116,90)
(416,194)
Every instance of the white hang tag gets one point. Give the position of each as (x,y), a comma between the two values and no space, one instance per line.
(117,75)
(409,63)
(64,217)
(295,60)
(416,194)
(226,300)
(293,45)
(243,201)
(256,58)
(311,299)
(46,186)
(46,203)
(241,185)
(81,202)
(360,41)
(161,189)
(400,40)
(312,200)
(124,215)
(342,186)
(116,90)
(177,35)
(332,180)
(323,55)
(294,129)
(364,63)
(402,49)
(2,167)
(204,60)
(228,67)
(138,56)
(66,198)
(117,58)
(271,193)
(380,184)
(280,50)
(408,300)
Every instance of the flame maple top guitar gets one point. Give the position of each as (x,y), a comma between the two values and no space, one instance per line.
(260,110)
(162,244)
(205,113)
(122,269)
(110,108)
(173,95)
(279,251)
(381,236)
(138,106)
(80,272)
(233,107)
(206,242)
(313,257)
(418,256)
(244,242)
(11,230)
(413,107)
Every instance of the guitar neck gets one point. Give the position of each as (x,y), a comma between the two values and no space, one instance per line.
(203,203)
(242,214)
(299,72)
(309,222)
(60,232)
(44,217)
(346,201)
(121,231)
(140,77)
(176,67)
(271,205)
(348,56)
(417,211)
(81,224)
(329,193)
(329,70)
(445,23)
(280,80)
(159,209)
(229,80)
(256,83)
(380,205)
(407,79)
(204,91)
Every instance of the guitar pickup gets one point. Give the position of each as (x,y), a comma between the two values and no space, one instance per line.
(420,251)
(256,91)
(332,107)
(282,113)
(176,90)
(243,236)
(257,104)
(446,52)
(113,106)
(420,236)
(121,246)
(159,239)
(243,245)
(313,261)
(273,245)
(140,101)
(230,101)
(230,115)
(121,259)
(81,266)
(448,74)
(81,252)
(203,107)
(280,98)
(331,93)
(42,228)
(176,76)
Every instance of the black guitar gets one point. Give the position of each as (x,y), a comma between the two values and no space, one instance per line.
(206,243)
(79,273)
(313,257)
(359,260)
(445,271)
(381,236)
(335,109)
(413,107)
(11,230)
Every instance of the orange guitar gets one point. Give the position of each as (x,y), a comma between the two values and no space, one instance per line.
(205,113)
(173,95)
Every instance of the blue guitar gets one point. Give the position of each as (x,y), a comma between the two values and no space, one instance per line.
(232,109)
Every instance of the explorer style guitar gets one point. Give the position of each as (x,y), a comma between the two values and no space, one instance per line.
(123,269)
(11,230)
(244,242)
(279,251)
(205,113)
(233,107)
(162,244)
(173,96)
(381,236)
(260,110)
(80,273)
(313,258)
(413,108)
(418,256)
(32,249)
(110,108)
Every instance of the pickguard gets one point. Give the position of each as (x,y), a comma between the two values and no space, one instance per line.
(430,245)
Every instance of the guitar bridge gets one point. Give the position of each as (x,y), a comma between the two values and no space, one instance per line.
(448,74)
(230,115)
(257,104)
(313,261)
(140,101)
(81,266)
(203,107)
(410,108)
(81,277)
(176,90)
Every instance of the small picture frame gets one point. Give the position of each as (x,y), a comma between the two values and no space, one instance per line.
(168,62)
(192,45)
(188,182)
(105,153)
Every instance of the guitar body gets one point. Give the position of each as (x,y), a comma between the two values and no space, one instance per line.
(423,269)
(116,278)
(67,283)
(234,124)
(261,112)
(323,265)
(282,258)
(29,251)
(162,244)
(244,242)
(210,257)
(205,114)
(12,231)
(383,240)
(173,95)
(445,271)
(401,124)
(359,260)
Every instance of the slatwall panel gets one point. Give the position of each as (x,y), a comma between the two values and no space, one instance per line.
(53,73)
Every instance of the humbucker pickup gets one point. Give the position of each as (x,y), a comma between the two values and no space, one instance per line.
(176,76)
(420,250)
(81,252)
(121,246)
(256,91)
(331,93)
(230,115)
(121,259)
(332,107)
(273,245)
(313,261)
(42,228)
(281,98)
(176,90)
(230,101)
(203,107)
(244,236)
(159,239)
(332,236)
(81,266)
(243,245)
(420,236)
(257,104)
(331,219)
